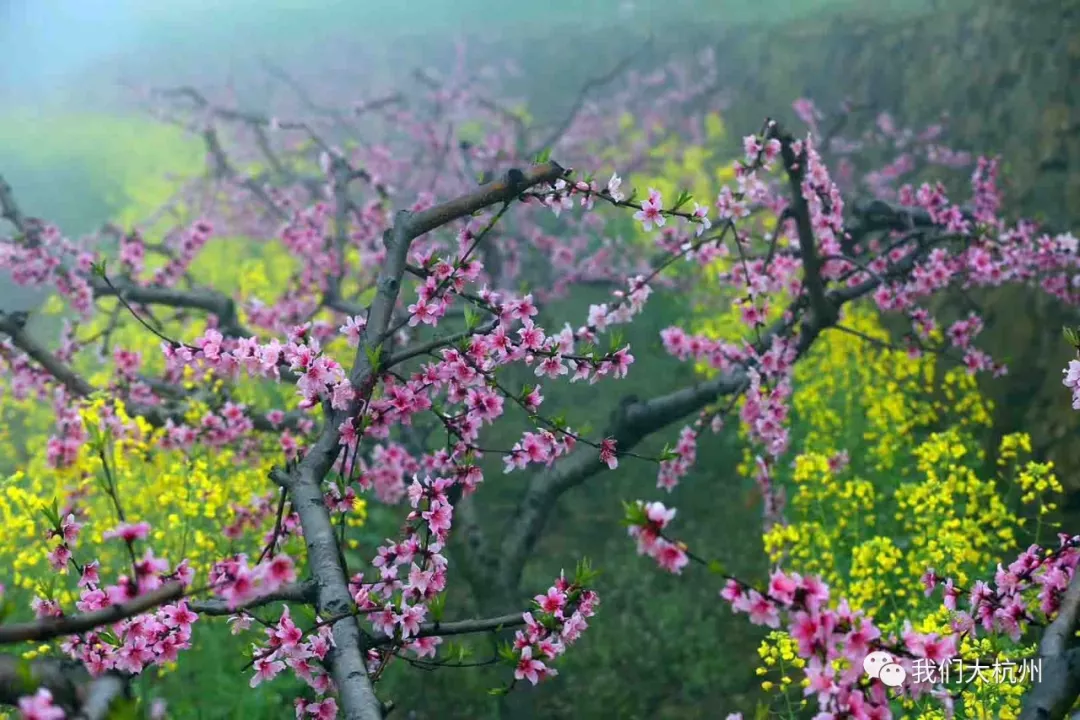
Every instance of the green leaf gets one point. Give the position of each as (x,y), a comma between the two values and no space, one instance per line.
(48,591)
(633,513)
(1072,337)
(717,568)
(668,453)
(584,575)
(542,157)
(98,268)
(684,197)
(506,652)
(436,606)
(472,318)
(109,637)
(52,515)
(99,437)
(546,620)
(373,353)
(498,691)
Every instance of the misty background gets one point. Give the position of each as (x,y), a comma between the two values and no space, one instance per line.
(78,57)
(77,143)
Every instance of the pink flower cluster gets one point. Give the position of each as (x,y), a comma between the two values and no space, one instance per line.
(646,524)
(134,644)
(1072,381)
(560,618)
(155,637)
(39,706)
(1001,606)
(286,647)
(825,634)
(237,582)
(398,606)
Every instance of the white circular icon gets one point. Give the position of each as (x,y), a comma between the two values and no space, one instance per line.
(893,675)
(883,666)
(876,660)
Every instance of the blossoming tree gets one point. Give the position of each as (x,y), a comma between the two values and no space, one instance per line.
(398,332)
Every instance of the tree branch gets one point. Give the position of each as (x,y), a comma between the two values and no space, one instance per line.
(795,165)
(205,299)
(14,326)
(464,627)
(347,664)
(301,592)
(589,85)
(439,342)
(49,628)
(638,420)
(73,689)
(1059,683)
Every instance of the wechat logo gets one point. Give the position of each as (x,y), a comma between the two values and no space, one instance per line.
(882,666)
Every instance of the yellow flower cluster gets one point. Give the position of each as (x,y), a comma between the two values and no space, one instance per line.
(1035,480)
(916,494)
(780,662)
(186,496)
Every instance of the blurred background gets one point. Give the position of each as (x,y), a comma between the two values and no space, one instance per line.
(80,149)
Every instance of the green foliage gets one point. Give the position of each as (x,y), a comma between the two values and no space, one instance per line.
(81,169)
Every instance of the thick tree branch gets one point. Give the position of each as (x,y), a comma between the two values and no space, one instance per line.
(1058,687)
(14,326)
(795,166)
(207,300)
(474,553)
(49,628)
(347,665)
